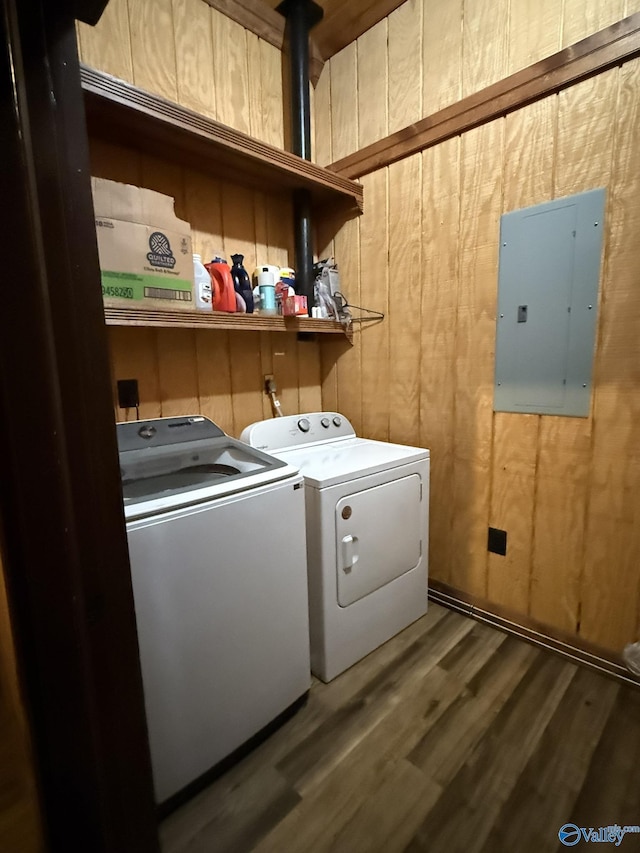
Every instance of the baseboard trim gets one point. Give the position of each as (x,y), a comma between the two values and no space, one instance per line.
(570,647)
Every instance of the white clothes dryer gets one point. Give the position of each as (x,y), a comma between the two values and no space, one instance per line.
(367,517)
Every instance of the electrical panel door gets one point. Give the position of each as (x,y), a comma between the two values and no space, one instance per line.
(547,305)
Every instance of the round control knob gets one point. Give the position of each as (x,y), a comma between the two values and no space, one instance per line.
(147,431)
(337,421)
(325,423)
(304,425)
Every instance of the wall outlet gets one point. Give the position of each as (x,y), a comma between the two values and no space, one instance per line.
(269,383)
(497,543)
(128,395)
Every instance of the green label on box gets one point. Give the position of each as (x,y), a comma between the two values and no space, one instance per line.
(124,285)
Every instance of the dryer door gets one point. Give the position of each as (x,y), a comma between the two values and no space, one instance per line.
(378,536)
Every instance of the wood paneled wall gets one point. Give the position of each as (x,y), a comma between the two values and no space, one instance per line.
(20,827)
(192,54)
(219,374)
(429,54)
(426,250)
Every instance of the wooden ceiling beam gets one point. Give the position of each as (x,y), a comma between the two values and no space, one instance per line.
(256,16)
(260,18)
(87,11)
(346,20)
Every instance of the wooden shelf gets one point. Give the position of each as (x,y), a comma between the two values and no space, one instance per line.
(219,320)
(122,113)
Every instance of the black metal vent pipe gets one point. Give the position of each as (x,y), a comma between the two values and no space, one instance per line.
(301,16)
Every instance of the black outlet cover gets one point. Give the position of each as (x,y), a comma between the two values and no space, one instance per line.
(497,543)
(128,397)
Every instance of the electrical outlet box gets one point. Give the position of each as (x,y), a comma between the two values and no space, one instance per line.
(497,543)
(128,396)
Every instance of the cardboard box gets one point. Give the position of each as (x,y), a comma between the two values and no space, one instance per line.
(145,250)
(294,305)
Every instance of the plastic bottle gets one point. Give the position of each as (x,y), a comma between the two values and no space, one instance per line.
(203,285)
(242,282)
(288,276)
(225,298)
(267,285)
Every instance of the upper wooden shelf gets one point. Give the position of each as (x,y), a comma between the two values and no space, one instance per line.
(219,320)
(122,113)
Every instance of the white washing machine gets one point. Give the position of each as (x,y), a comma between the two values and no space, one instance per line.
(218,564)
(367,509)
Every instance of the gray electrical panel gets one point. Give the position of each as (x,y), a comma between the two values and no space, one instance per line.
(547,305)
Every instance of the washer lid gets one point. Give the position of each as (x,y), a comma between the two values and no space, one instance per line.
(169,462)
(336,462)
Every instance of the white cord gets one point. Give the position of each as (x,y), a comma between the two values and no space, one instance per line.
(275,403)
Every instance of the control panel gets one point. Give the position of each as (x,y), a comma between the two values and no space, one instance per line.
(160,432)
(297,431)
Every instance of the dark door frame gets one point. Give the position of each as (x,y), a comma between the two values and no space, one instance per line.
(63,534)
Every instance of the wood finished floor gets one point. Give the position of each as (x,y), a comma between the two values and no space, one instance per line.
(451,737)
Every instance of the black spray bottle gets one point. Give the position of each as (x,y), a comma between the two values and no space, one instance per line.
(242,282)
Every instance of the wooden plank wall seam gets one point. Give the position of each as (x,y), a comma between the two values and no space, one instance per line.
(611,578)
(599,333)
(534,532)
(581,499)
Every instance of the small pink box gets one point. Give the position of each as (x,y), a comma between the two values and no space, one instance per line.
(294,305)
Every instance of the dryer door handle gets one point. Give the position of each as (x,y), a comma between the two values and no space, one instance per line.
(349,555)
